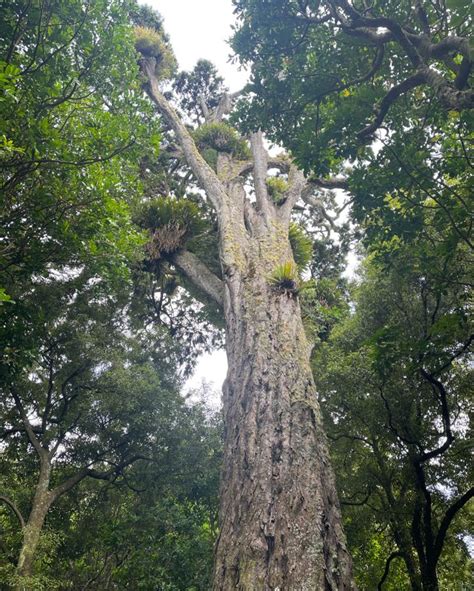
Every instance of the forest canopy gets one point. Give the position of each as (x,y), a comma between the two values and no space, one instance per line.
(143,221)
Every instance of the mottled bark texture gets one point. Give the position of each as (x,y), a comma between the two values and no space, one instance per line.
(280,524)
(42,501)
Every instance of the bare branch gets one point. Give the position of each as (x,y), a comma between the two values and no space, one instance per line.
(87,471)
(198,273)
(448,517)
(392,95)
(318,204)
(224,107)
(392,556)
(35,442)
(443,398)
(298,186)
(203,172)
(331,183)
(260,169)
(14,508)
(204,108)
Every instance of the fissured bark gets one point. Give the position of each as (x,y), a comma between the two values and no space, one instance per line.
(280,524)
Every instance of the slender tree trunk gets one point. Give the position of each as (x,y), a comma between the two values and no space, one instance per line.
(429,576)
(280,524)
(31,534)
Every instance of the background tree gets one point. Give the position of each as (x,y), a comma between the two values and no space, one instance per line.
(318,69)
(82,386)
(72,117)
(395,380)
(151,526)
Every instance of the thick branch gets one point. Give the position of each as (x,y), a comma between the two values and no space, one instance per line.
(451,98)
(374,24)
(197,272)
(392,95)
(203,172)
(443,398)
(35,442)
(282,163)
(448,517)
(224,107)
(260,169)
(298,186)
(331,183)
(14,508)
(71,482)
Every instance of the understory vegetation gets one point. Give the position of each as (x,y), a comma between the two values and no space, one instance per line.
(113,280)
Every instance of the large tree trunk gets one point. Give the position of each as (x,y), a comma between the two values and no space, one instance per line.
(280,525)
(31,534)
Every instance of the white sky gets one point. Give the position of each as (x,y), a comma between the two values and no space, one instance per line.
(200,29)
(211,370)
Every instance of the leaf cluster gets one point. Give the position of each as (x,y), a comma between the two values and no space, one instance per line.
(150,43)
(219,136)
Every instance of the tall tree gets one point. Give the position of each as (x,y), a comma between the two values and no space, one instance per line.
(91,402)
(329,78)
(280,525)
(156,530)
(397,386)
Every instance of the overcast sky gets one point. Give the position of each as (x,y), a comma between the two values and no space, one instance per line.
(200,29)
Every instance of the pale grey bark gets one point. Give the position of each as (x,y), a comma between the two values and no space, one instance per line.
(204,173)
(32,531)
(197,272)
(260,166)
(44,496)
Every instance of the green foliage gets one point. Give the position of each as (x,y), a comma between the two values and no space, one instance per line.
(301,245)
(381,370)
(151,44)
(221,137)
(410,326)
(210,155)
(277,186)
(314,83)
(324,304)
(201,84)
(171,222)
(285,278)
(74,116)
(159,535)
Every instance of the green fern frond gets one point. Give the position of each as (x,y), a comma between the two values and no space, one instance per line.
(301,245)
(285,278)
